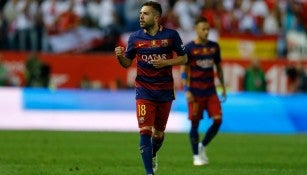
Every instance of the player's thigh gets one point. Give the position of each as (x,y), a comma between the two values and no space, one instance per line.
(145,112)
(196,109)
(162,114)
(214,106)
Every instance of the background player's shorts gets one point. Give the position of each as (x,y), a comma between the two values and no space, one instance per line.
(211,104)
(151,113)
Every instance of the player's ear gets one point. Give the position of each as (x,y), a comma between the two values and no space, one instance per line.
(157,18)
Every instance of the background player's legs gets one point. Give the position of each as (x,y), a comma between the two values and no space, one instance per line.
(194,140)
(195,115)
(194,136)
(212,131)
(210,134)
(215,112)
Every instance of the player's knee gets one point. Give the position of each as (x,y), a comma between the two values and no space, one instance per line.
(158,134)
(146,131)
(195,123)
(217,121)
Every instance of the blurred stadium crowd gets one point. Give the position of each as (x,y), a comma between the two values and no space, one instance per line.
(98,25)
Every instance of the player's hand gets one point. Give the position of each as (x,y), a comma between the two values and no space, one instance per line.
(223,99)
(159,63)
(119,51)
(189,96)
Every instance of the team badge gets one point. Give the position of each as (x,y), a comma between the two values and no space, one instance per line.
(164,43)
(212,50)
(141,119)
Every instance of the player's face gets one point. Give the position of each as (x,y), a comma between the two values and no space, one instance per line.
(202,30)
(147,18)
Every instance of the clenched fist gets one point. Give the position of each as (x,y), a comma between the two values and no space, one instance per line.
(119,51)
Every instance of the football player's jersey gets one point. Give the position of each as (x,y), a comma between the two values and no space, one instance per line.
(200,70)
(154,83)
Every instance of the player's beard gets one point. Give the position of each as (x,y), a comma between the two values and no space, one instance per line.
(146,25)
(204,38)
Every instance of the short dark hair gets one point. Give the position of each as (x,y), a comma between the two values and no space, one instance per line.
(200,19)
(154,5)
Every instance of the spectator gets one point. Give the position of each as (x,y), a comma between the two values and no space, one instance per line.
(3,26)
(186,11)
(25,25)
(103,14)
(297,77)
(10,12)
(131,13)
(170,20)
(208,12)
(293,17)
(37,73)
(302,85)
(272,22)
(4,74)
(248,23)
(254,78)
(223,19)
(2,3)
(69,19)
(50,11)
(302,77)
(85,82)
(45,75)
(259,11)
(119,10)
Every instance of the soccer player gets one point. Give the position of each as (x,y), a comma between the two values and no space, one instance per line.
(200,90)
(153,47)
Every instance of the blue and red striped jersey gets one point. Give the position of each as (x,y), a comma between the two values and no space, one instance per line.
(200,67)
(152,83)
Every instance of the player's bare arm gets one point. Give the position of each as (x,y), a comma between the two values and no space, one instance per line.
(221,79)
(119,52)
(188,94)
(180,60)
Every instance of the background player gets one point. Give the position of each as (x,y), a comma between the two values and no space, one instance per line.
(153,47)
(200,90)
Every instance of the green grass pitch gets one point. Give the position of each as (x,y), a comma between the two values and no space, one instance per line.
(117,153)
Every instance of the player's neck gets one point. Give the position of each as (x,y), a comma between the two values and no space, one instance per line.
(153,31)
(201,41)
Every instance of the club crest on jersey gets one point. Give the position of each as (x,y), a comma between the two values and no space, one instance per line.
(141,119)
(164,43)
(213,50)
